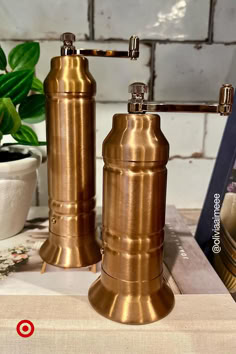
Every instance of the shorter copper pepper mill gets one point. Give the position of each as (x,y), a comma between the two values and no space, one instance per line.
(131,288)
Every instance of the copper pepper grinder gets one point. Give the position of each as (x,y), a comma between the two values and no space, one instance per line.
(131,288)
(70,115)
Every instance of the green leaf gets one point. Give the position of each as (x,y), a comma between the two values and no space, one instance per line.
(10,121)
(32,109)
(37,85)
(16,85)
(25,135)
(3,59)
(24,56)
(1,135)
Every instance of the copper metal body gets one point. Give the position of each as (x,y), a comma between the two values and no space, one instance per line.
(70,106)
(131,288)
(70,111)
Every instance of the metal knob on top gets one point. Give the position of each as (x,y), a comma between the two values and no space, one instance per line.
(68,48)
(138,88)
(68,37)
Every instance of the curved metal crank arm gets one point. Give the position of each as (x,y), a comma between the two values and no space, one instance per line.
(68,48)
(132,53)
(137,103)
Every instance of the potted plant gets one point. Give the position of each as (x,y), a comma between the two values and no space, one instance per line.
(21,103)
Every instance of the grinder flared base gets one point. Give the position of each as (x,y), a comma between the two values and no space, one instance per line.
(70,252)
(131,302)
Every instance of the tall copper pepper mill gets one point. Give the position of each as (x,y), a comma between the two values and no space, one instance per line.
(131,288)
(70,115)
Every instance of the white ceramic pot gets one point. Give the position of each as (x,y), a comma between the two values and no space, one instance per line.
(17,184)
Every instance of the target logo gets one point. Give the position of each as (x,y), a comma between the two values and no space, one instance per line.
(25,328)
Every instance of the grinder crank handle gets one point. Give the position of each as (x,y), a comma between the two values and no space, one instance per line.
(137,103)
(69,49)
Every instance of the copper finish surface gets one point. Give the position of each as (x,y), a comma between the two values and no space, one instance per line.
(70,111)
(131,288)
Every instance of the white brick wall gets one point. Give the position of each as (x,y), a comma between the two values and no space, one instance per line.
(182,57)
(172,19)
(189,73)
(43,19)
(224,24)
(214,130)
(187,181)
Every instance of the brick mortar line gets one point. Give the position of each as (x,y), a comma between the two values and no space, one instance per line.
(91,19)
(198,156)
(151,82)
(167,102)
(37,197)
(118,40)
(143,41)
(211,21)
(204,135)
(178,157)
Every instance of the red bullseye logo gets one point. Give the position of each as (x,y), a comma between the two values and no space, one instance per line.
(25,328)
